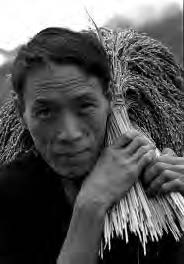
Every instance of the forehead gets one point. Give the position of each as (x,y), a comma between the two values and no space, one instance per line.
(60,82)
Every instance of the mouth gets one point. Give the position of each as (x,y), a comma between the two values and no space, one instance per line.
(73,154)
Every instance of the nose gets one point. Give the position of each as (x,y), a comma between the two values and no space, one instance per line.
(69,129)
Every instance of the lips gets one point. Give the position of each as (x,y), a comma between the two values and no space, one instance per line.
(72,154)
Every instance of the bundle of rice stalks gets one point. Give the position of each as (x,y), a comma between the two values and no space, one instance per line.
(146,92)
(147,86)
(14,138)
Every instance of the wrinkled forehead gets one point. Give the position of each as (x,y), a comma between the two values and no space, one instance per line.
(64,81)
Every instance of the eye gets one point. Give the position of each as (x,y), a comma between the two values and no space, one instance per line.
(44,113)
(86,105)
(85,108)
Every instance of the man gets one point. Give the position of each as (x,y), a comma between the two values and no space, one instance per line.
(54,198)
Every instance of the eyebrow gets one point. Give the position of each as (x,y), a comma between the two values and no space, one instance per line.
(86,97)
(81,97)
(43,101)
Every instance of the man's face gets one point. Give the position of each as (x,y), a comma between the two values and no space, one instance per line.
(66,114)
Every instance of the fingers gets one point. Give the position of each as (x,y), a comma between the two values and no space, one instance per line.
(169,152)
(139,146)
(145,153)
(171,160)
(125,139)
(157,167)
(165,177)
(153,171)
(173,186)
(147,160)
(132,141)
(168,181)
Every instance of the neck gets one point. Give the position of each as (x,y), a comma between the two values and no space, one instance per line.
(71,189)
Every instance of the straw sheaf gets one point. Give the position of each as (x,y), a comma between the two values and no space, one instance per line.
(152,85)
(14,138)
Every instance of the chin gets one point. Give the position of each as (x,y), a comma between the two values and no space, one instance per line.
(72,172)
(75,168)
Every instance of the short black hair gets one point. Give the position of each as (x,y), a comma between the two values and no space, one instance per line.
(61,46)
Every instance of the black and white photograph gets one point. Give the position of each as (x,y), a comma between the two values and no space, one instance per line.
(91,132)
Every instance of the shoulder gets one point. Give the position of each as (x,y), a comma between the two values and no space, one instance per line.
(25,162)
(25,177)
(30,207)
(23,168)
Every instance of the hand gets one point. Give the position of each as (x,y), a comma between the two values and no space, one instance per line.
(117,169)
(165,174)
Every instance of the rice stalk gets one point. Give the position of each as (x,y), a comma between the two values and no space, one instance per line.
(145,217)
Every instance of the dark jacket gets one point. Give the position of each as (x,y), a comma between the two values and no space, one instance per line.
(33,213)
(34,218)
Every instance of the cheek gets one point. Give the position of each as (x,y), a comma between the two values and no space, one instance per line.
(97,124)
(41,134)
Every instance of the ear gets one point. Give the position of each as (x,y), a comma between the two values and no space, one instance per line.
(108,108)
(19,105)
(17,102)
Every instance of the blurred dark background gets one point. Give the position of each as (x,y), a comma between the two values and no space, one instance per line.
(168,28)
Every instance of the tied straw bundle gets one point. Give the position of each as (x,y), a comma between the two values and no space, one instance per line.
(147,218)
(147,88)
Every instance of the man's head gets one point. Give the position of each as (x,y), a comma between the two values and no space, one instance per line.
(61,79)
